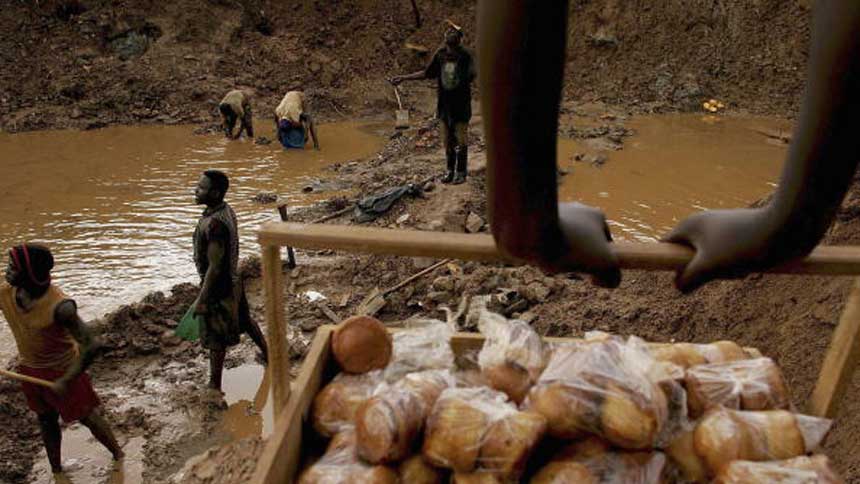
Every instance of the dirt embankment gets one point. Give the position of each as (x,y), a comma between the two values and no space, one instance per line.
(169,62)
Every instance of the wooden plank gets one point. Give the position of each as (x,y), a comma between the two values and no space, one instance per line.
(831,260)
(279,358)
(280,460)
(841,359)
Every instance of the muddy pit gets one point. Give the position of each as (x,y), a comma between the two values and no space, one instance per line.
(108,249)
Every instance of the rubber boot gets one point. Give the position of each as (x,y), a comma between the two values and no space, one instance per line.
(452,160)
(462,165)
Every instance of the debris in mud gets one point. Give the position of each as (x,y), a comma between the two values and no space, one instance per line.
(474,223)
(226,465)
(265,197)
(262,140)
(596,160)
(370,208)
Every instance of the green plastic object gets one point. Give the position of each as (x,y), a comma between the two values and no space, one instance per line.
(189,327)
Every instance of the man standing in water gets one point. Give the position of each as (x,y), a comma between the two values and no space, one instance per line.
(54,345)
(236,105)
(292,118)
(221,303)
(454,70)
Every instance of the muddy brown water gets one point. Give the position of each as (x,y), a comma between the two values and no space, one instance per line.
(116,205)
(673,166)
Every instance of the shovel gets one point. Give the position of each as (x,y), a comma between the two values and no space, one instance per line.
(402,114)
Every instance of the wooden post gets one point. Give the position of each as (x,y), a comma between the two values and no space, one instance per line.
(840,361)
(291,256)
(279,357)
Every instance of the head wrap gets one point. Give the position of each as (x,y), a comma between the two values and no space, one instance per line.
(35,261)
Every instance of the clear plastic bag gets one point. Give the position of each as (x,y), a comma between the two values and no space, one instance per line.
(612,388)
(335,406)
(341,465)
(592,462)
(414,470)
(800,470)
(513,356)
(724,435)
(389,424)
(478,429)
(755,384)
(687,355)
(422,345)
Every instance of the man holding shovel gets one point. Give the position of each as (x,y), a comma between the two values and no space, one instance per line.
(454,70)
(54,346)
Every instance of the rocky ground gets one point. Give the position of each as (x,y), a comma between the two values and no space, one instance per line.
(169,62)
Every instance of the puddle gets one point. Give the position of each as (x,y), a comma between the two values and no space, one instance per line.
(673,166)
(249,412)
(86,461)
(116,205)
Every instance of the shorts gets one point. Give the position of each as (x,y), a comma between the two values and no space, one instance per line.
(79,401)
(222,327)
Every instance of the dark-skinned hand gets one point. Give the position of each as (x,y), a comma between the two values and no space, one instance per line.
(585,247)
(729,244)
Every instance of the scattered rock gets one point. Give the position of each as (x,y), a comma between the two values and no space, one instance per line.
(536,292)
(435,225)
(265,197)
(474,223)
(403,218)
(169,339)
(444,283)
(429,186)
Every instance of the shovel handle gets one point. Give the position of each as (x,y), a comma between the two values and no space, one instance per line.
(397,95)
(25,378)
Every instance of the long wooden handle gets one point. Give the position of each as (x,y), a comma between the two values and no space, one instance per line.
(397,95)
(831,260)
(25,378)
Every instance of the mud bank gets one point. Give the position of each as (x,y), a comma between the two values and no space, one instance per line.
(131,62)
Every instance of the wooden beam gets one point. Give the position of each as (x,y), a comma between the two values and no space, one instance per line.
(841,359)
(279,357)
(279,462)
(830,260)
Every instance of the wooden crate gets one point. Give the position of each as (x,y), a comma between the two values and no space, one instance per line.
(280,461)
(282,458)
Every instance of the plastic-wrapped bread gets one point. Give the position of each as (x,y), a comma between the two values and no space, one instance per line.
(361,344)
(509,443)
(478,428)
(513,355)
(687,355)
(422,345)
(341,465)
(335,406)
(608,387)
(592,462)
(724,435)
(806,470)
(755,384)
(415,470)
(389,424)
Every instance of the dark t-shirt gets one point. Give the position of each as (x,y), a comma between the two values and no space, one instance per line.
(454,73)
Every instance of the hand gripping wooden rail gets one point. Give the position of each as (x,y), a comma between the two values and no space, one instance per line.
(279,461)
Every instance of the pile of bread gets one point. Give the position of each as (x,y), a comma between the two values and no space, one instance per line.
(599,410)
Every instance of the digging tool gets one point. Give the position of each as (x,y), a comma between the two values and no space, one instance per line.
(402,114)
(291,255)
(27,379)
(376,299)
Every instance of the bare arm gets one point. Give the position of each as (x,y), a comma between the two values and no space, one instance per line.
(428,72)
(67,316)
(309,123)
(820,167)
(215,253)
(522,54)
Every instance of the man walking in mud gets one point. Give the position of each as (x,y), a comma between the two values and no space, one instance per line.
(454,70)
(221,302)
(53,345)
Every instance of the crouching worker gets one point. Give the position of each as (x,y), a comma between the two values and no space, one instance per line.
(53,345)
(293,123)
(236,105)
